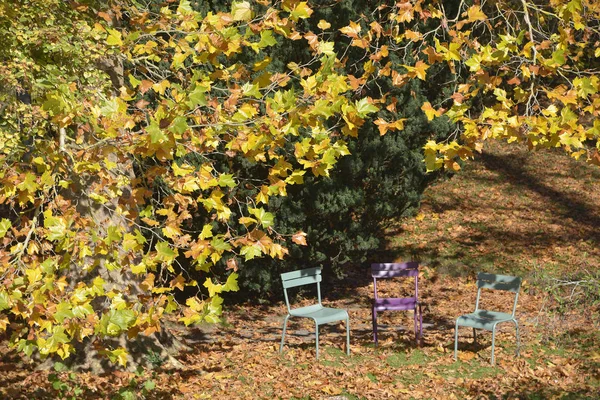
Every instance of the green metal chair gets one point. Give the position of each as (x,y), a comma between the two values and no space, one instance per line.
(321,315)
(488,320)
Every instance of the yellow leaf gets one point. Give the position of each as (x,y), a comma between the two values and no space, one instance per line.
(405,12)
(301,11)
(323,24)
(241,11)
(262,64)
(114,38)
(138,269)
(33,275)
(326,48)
(171,231)
(429,111)
(183,170)
(247,221)
(475,14)
(212,288)
(161,86)
(206,232)
(420,68)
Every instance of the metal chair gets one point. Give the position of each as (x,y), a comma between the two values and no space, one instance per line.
(317,312)
(488,320)
(394,270)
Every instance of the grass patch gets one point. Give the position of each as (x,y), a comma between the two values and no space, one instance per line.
(410,378)
(337,357)
(474,369)
(416,357)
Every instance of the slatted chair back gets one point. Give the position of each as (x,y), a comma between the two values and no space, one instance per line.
(393,270)
(487,319)
(319,314)
(498,282)
(308,276)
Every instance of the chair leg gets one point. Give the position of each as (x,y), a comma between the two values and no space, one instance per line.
(474,335)
(420,322)
(455,340)
(374,317)
(518,338)
(283,334)
(317,338)
(348,336)
(493,342)
(416,330)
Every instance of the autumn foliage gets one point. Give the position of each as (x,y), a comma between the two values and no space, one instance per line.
(123,128)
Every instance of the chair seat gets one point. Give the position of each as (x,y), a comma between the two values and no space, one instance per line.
(395,303)
(483,319)
(320,314)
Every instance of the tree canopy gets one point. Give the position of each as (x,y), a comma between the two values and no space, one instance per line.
(141,145)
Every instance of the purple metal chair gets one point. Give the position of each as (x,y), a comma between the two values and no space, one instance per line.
(393,270)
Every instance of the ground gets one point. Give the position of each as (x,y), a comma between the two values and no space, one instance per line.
(535,215)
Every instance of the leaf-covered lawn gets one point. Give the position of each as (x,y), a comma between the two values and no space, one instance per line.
(536,215)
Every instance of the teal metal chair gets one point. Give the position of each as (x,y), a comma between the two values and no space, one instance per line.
(321,315)
(488,320)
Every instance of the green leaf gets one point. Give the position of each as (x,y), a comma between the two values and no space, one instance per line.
(558,57)
(110,107)
(156,134)
(220,245)
(4,227)
(51,345)
(249,89)
(57,227)
(63,311)
(363,107)
(116,321)
(60,367)
(114,37)
(232,284)
(113,235)
(265,218)
(250,252)
(82,311)
(119,356)
(179,125)
(4,301)
(197,97)
(225,180)
(149,385)
(165,252)
(29,184)
(267,39)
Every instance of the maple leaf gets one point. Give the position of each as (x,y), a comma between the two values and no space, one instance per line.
(351,30)
(429,111)
(299,238)
(474,14)
(241,11)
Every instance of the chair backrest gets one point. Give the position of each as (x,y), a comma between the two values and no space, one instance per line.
(393,270)
(301,277)
(498,282)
